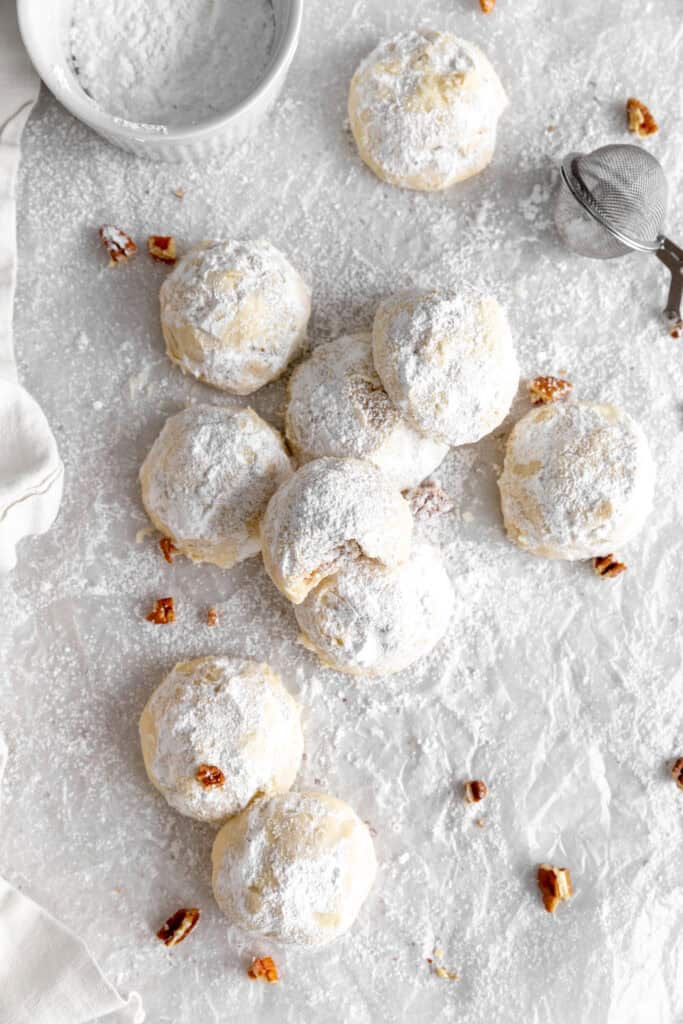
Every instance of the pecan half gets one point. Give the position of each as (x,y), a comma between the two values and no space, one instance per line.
(163,612)
(555,885)
(178,926)
(162,248)
(209,776)
(677,772)
(168,549)
(264,969)
(475,790)
(428,500)
(118,244)
(548,389)
(607,565)
(640,120)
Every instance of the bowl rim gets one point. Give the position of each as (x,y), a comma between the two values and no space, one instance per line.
(91,113)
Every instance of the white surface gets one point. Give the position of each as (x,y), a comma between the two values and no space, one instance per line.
(560,689)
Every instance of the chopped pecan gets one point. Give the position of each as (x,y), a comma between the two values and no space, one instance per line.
(487,5)
(640,120)
(178,926)
(677,772)
(162,248)
(475,790)
(264,968)
(607,565)
(212,617)
(118,244)
(428,500)
(555,885)
(209,776)
(168,549)
(163,612)
(548,389)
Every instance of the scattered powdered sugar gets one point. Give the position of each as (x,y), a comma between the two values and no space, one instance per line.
(299,872)
(368,620)
(329,511)
(174,64)
(226,713)
(208,478)
(578,480)
(336,406)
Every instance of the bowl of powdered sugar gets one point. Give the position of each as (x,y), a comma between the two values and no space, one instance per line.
(169,81)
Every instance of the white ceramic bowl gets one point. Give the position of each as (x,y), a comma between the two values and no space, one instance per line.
(45,29)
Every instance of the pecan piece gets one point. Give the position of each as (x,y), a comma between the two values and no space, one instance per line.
(209,776)
(677,772)
(640,120)
(548,389)
(264,968)
(428,500)
(555,885)
(475,790)
(487,6)
(118,244)
(168,549)
(163,612)
(607,565)
(178,926)
(212,617)
(162,248)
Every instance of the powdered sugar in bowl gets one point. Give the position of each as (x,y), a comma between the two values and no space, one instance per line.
(164,81)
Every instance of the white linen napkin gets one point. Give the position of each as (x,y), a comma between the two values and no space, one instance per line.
(47,975)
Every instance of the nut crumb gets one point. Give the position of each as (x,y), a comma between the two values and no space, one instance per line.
(475,790)
(212,617)
(676,329)
(118,244)
(548,389)
(178,926)
(179,192)
(640,120)
(162,248)
(480,822)
(209,776)
(163,612)
(677,772)
(168,549)
(264,968)
(607,565)
(555,885)
(441,972)
(487,6)
(428,500)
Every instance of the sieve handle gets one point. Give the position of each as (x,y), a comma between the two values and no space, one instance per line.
(672,258)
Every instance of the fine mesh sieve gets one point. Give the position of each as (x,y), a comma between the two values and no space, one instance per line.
(612,202)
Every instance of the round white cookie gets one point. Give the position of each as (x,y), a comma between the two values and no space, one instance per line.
(295,868)
(218,732)
(577,480)
(423,108)
(330,512)
(234,314)
(337,406)
(208,478)
(368,620)
(447,361)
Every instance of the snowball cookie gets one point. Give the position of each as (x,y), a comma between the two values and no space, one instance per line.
(208,478)
(423,108)
(337,406)
(330,512)
(446,361)
(369,620)
(234,314)
(216,733)
(295,868)
(577,480)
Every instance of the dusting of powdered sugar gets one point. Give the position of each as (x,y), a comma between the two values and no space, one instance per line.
(577,481)
(329,511)
(447,360)
(299,872)
(368,620)
(151,62)
(231,714)
(234,313)
(424,107)
(336,405)
(208,478)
